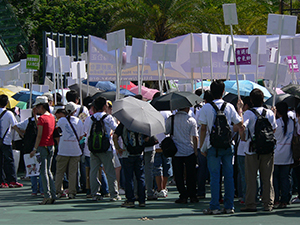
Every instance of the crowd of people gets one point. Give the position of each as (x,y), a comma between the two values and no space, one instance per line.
(249,148)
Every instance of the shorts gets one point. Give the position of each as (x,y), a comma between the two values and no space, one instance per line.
(162,165)
(116,160)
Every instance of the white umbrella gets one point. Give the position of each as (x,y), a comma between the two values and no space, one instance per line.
(15,89)
(139,116)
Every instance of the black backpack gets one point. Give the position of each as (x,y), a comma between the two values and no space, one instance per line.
(220,135)
(30,135)
(98,140)
(134,142)
(263,141)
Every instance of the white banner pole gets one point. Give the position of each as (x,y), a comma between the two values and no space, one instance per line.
(235,66)
(143,62)
(80,83)
(30,96)
(159,77)
(192,69)
(139,75)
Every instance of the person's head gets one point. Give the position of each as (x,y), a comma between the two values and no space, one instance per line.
(156,95)
(297,110)
(257,97)
(109,107)
(100,104)
(58,98)
(59,113)
(3,100)
(247,103)
(187,109)
(282,109)
(50,98)
(217,89)
(41,105)
(198,92)
(86,101)
(72,96)
(70,108)
(208,97)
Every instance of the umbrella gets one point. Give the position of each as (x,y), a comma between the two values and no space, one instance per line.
(129,86)
(139,116)
(293,89)
(246,87)
(11,101)
(278,91)
(291,100)
(15,89)
(106,86)
(231,98)
(109,95)
(92,90)
(176,100)
(22,105)
(25,95)
(146,92)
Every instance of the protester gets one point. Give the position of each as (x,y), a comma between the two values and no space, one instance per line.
(185,137)
(222,154)
(69,150)
(99,158)
(262,162)
(283,156)
(8,176)
(44,144)
(49,95)
(296,153)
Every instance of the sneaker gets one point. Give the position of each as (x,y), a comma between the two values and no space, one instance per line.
(61,195)
(116,198)
(121,191)
(227,211)
(97,197)
(276,205)
(4,185)
(15,185)
(128,204)
(71,196)
(162,194)
(151,198)
(143,204)
(181,201)
(211,212)
(295,200)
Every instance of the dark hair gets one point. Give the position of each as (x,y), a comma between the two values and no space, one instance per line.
(45,106)
(257,97)
(140,97)
(282,108)
(58,97)
(217,88)
(208,96)
(156,95)
(3,100)
(86,101)
(198,92)
(72,96)
(61,111)
(247,101)
(99,103)
(297,110)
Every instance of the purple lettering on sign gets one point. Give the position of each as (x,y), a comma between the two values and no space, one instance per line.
(242,56)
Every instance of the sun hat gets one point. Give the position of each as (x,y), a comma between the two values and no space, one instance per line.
(40,100)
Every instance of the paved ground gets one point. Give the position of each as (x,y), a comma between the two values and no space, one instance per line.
(17,206)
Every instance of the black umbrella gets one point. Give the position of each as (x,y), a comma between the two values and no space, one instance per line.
(92,90)
(291,100)
(232,98)
(109,95)
(176,100)
(293,89)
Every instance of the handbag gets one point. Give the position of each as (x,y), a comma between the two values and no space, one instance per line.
(81,146)
(167,145)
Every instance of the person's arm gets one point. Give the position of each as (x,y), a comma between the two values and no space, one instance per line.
(202,137)
(117,146)
(19,131)
(37,140)
(195,144)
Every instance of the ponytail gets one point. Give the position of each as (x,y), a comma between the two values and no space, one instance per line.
(282,109)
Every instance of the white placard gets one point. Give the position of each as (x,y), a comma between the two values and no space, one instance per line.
(49,83)
(209,43)
(270,72)
(228,49)
(257,45)
(26,77)
(137,47)
(84,56)
(71,81)
(32,165)
(64,64)
(51,47)
(263,59)
(225,40)
(23,66)
(290,46)
(199,59)
(115,40)
(44,88)
(25,114)
(164,52)
(230,15)
(61,51)
(273,56)
(281,24)
(128,54)
(78,70)
(36,87)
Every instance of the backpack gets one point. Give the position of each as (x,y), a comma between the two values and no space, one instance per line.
(98,140)
(133,141)
(220,135)
(30,135)
(263,140)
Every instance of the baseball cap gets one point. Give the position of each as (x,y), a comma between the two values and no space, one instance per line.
(71,107)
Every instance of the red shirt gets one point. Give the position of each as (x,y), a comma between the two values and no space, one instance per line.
(48,124)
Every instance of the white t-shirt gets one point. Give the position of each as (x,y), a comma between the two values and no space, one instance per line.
(250,120)
(283,154)
(7,121)
(68,143)
(162,136)
(110,125)
(208,115)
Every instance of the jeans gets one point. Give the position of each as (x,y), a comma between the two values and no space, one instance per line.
(149,162)
(104,183)
(162,165)
(201,174)
(189,163)
(7,165)
(134,165)
(214,164)
(46,174)
(82,174)
(282,183)
(241,165)
(34,184)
